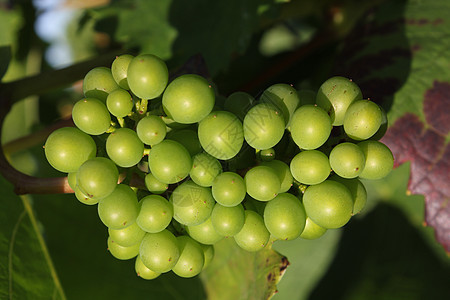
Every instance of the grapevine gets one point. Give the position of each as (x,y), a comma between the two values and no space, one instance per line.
(279,166)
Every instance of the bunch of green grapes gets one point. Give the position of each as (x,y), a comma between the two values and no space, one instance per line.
(254,170)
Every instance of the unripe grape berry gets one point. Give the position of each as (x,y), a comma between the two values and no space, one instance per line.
(91,116)
(120,208)
(192,257)
(169,161)
(67,148)
(379,160)
(144,272)
(264,126)
(284,97)
(151,130)
(347,160)
(204,233)
(285,217)
(188,99)
(159,251)
(98,83)
(221,134)
(122,252)
(155,213)
(329,204)
(312,231)
(119,103)
(254,234)
(124,147)
(262,183)
(362,119)
(310,127)
(147,76)
(310,167)
(335,95)
(97,177)
(119,70)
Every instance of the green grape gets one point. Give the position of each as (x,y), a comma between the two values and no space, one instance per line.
(67,148)
(310,167)
(192,204)
(119,103)
(119,70)
(285,217)
(262,183)
(128,236)
(347,160)
(329,204)
(72,180)
(312,231)
(124,147)
(221,134)
(310,127)
(122,252)
(204,233)
(97,177)
(159,251)
(357,189)
(155,213)
(379,160)
(228,189)
(98,83)
(188,138)
(144,272)
(254,234)
(227,221)
(208,251)
(120,209)
(335,95)
(362,119)
(284,97)
(267,154)
(147,76)
(238,103)
(84,198)
(205,169)
(307,96)
(263,126)
(188,99)
(192,258)
(283,172)
(91,116)
(151,130)
(154,185)
(169,162)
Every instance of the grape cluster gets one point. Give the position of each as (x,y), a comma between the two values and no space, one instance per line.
(174,168)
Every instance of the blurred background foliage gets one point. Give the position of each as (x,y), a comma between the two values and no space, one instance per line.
(52,247)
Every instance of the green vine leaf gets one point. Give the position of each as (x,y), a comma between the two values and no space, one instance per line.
(27,272)
(237,274)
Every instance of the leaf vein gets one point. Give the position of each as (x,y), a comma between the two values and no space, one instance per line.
(11,250)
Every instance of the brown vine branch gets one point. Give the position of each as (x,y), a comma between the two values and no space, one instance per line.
(26,184)
(38,84)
